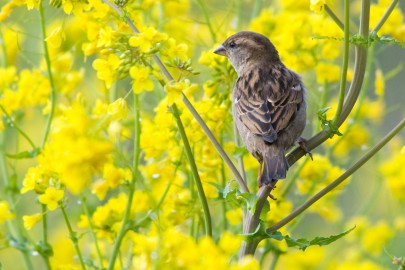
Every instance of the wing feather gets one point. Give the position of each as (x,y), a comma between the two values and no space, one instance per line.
(267,100)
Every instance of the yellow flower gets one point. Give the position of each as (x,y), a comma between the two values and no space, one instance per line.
(36,179)
(326,72)
(141,81)
(147,39)
(246,263)
(375,238)
(234,216)
(175,90)
(230,243)
(107,69)
(379,83)
(32,220)
(115,176)
(31,4)
(176,50)
(317,6)
(393,170)
(5,213)
(55,38)
(118,109)
(100,188)
(51,197)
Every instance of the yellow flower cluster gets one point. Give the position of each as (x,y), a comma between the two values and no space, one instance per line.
(394,172)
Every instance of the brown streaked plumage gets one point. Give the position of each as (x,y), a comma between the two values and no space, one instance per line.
(268,102)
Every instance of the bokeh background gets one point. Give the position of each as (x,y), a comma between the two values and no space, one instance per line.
(373,199)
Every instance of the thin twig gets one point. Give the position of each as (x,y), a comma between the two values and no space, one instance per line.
(343,76)
(334,17)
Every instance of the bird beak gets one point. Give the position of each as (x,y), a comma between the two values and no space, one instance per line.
(220,50)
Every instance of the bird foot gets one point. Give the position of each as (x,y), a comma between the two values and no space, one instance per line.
(303,145)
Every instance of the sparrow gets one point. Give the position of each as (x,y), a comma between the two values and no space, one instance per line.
(268,102)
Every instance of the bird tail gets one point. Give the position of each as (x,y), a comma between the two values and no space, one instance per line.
(275,167)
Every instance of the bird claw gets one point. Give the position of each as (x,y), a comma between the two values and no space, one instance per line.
(303,145)
(271,196)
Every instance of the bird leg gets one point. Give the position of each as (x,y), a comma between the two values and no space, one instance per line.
(303,145)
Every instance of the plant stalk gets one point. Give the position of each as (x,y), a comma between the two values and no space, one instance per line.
(194,171)
(73,237)
(137,152)
(50,76)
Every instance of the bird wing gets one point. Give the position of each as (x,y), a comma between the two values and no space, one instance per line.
(267,100)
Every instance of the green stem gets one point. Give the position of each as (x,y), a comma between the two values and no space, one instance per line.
(50,76)
(340,179)
(276,256)
(126,219)
(194,171)
(203,7)
(73,236)
(15,227)
(14,125)
(251,221)
(45,255)
(363,94)
(92,232)
(385,16)
(343,75)
(189,106)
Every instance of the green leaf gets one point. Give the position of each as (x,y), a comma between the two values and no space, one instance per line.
(320,241)
(249,199)
(328,125)
(24,154)
(260,234)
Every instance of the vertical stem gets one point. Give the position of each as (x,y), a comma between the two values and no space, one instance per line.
(93,235)
(276,256)
(194,171)
(15,227)
(50,76)
(343,74)
(137,151)
(73,236)
(251,221)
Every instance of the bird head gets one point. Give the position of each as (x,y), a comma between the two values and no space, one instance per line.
(247,48)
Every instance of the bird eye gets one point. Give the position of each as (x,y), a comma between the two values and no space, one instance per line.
(232,44)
